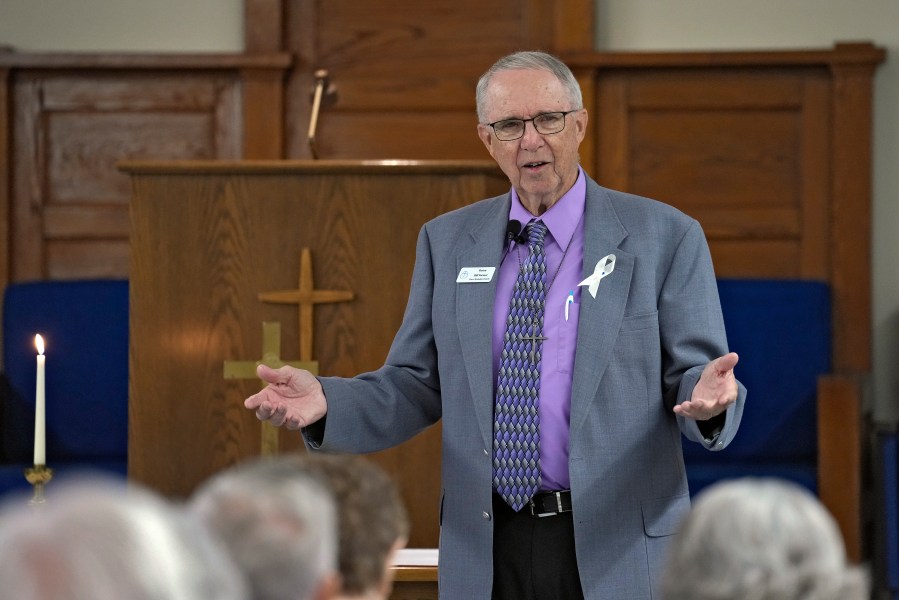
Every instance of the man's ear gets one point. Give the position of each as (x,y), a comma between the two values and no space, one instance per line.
(580,122)
(486,135)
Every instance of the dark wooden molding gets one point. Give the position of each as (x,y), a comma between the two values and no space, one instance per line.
(842,53)
(142,62)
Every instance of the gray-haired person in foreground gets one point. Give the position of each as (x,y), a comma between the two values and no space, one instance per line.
(279,524)
(97,539)
(760,539)
(372,521)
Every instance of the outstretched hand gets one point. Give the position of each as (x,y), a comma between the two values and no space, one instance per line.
(714,392)
(293,397)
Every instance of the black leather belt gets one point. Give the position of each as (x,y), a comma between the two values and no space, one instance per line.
(548,504)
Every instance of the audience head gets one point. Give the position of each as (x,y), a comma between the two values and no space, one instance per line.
(96,539)
(279,525)
(372,520)
(759,539)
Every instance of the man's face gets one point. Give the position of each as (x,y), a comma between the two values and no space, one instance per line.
(541,167)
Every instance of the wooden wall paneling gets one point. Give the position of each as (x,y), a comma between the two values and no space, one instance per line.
(840,443)
(5,177)
(27,239)
(851,173)
(815,136)
(722,146)
(263,114)
(5,185)
(686,127)
(397,66)
(75,116)
(587,151)
(574,26)
(80,127)
(263,26)
(611,130)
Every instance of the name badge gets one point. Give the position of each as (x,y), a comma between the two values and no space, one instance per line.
(475,274)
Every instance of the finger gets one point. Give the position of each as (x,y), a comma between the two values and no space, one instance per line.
(267,374)
(684,409)
(254,401)
(726,363)
(693,409)
(263,412)
(278,415)
(292,423)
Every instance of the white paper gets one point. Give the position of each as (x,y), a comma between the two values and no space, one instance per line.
(416,557)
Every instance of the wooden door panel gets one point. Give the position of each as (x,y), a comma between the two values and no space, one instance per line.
(71,204)
(404,68)
(733,148)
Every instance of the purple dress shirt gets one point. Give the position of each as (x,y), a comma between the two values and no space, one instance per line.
(565,223)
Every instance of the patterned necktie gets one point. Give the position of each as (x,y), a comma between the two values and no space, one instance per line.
(516,425)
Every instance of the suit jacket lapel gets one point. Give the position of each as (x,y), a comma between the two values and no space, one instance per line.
(600,317)
(474,311)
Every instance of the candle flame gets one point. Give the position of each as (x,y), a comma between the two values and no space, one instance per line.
(39,343)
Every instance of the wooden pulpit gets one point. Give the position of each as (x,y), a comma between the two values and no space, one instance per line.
(207,238)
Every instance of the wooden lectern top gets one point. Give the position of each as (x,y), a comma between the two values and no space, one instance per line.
(337,167)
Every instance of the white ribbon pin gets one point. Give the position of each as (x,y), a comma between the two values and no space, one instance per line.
(604,267)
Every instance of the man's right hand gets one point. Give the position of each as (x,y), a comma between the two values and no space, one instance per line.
(293,397)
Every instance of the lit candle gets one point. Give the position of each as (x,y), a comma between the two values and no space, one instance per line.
(40,449)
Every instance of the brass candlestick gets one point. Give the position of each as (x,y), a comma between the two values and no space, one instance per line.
(38,476)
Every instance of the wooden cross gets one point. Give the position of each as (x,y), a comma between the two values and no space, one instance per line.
(306,296)
(271,349)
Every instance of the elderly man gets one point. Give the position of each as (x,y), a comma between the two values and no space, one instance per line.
(599,315)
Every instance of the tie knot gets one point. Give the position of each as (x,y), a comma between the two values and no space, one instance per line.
(536,231)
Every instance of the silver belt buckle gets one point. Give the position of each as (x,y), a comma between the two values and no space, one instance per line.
(558,496)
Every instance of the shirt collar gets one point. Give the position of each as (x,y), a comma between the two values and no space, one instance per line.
(562,217)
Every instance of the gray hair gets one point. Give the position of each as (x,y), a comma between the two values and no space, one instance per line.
(529,61)
(370,512)
(760,539)
(279,524)
(97,539)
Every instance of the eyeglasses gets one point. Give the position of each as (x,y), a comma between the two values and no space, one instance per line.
(545,123)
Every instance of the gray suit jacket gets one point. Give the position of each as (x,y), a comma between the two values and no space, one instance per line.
(642,343)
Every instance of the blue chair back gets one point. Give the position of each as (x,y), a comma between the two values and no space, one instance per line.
(782,331)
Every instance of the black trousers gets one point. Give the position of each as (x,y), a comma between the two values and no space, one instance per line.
(533,557)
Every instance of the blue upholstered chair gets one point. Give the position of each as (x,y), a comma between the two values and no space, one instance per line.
(85,328)
(888,542)
(782,332)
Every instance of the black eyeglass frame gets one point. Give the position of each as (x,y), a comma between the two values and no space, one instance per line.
(524,124)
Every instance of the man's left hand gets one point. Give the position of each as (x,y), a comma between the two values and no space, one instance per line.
(714,392)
